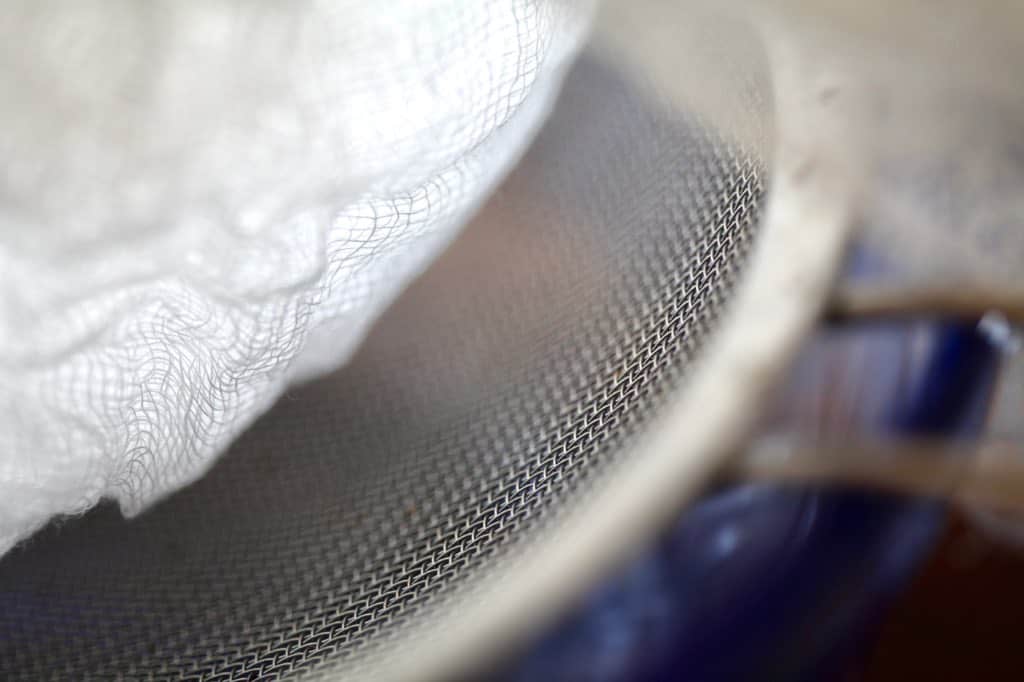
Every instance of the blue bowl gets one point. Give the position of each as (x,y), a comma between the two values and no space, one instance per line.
(768,582)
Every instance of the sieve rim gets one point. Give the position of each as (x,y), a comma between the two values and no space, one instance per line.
(796,257)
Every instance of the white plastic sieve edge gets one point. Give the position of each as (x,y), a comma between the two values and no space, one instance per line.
(795,260)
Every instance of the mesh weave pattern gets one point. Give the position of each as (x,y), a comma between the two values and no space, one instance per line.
(502,382)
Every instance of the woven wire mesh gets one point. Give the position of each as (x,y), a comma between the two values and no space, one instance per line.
(508,377)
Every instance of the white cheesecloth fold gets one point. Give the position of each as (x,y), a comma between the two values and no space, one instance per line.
(203,203)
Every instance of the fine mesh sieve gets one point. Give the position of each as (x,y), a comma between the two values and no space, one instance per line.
(493,394)
(568,372)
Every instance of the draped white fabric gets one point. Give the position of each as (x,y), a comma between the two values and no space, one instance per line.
(202,203)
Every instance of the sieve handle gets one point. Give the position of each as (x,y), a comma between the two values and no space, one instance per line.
(986,474)
(969,301)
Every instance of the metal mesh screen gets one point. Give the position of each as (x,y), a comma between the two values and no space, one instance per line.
(502,382)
